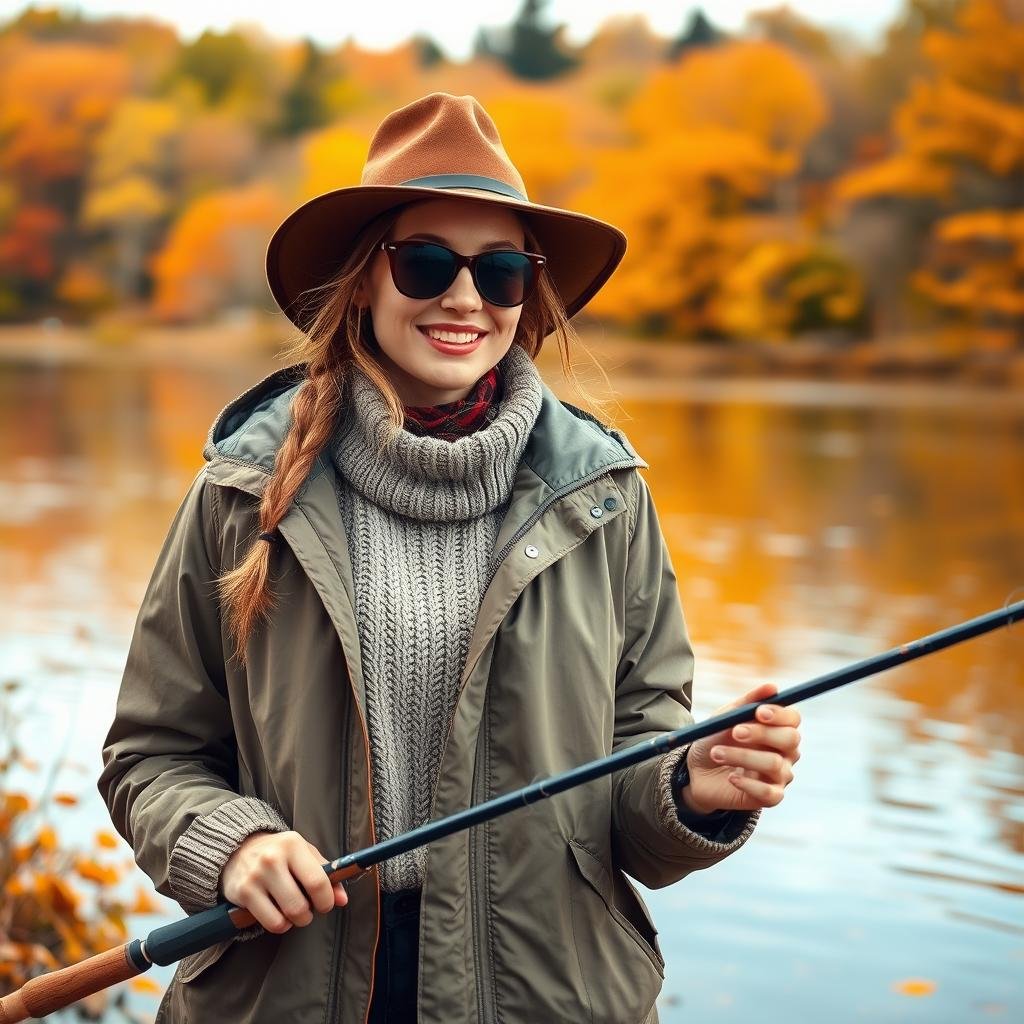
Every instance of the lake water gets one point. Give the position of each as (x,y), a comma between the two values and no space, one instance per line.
(810,526)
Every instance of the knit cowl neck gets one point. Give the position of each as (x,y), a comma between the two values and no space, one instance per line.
(427,478)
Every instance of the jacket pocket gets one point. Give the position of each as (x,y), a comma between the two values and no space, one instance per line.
(622,970)
(599,879)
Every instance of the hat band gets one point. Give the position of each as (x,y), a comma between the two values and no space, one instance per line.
(466,181)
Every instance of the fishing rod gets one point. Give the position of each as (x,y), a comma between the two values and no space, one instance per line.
(169,943)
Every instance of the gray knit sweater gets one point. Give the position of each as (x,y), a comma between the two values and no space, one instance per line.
(421,516)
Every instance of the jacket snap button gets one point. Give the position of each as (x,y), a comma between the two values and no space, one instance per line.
(530,551)
(610,504)
(597,511)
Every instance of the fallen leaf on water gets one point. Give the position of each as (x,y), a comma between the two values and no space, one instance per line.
(915,987)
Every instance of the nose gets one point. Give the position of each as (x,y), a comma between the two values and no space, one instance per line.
(462,293)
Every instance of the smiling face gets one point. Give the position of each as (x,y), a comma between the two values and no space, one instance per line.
(424,373)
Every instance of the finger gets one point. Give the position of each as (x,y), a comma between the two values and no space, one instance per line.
(765,793)
(760,692)
(293,902)
(782,738)
(767,762)
(311,876)
(318,889)
(260,905)
(778,715)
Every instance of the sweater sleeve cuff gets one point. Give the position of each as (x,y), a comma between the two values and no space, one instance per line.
(720,832)
(202,850)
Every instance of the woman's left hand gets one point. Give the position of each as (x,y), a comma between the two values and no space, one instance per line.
(748,766)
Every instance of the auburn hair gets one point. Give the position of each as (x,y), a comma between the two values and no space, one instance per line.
(337,337)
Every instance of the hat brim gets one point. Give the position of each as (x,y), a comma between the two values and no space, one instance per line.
(314,240)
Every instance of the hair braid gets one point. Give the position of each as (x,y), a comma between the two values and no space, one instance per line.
(245,590)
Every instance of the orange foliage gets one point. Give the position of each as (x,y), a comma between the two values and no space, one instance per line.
(716,136)
(45,922)
(26,244)
(961,140)
(54,98)
(214,254)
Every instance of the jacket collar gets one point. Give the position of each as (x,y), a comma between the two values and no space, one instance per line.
(567,444)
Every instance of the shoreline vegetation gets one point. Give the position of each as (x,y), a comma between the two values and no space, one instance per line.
(635,364)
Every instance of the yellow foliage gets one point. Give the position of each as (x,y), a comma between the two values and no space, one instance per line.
(132,198)
(782,286)
(898,175)
(537,131)
(136,138)
(332,158)
(709,151)
(758,89)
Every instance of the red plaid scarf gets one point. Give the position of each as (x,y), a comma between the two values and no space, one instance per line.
(453,420)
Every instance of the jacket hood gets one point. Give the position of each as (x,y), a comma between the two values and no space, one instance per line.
(566,444)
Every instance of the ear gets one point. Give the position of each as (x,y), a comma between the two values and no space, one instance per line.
(359,297)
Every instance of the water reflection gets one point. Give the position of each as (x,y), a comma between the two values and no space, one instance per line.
(808,527)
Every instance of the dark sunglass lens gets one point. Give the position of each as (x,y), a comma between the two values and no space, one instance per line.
(504,278)
(423,270)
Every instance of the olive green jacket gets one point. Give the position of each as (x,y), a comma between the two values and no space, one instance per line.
(579,648)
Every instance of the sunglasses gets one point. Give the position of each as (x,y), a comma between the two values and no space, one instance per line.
(424,270)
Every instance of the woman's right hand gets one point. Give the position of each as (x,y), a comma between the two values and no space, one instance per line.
(267,875)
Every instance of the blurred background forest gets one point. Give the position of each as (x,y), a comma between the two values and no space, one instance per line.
(776,183)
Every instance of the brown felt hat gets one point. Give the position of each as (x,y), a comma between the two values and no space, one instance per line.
(437,145)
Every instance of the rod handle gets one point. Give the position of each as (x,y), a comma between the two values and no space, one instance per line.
(53,991)
(168,944)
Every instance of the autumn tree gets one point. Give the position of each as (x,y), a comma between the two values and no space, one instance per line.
(213,257)
(959,154)
(55,100)
(703,186)
(129,184)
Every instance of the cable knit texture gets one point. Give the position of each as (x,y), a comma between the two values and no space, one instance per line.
(421,516)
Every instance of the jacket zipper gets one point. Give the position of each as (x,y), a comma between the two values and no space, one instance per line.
(485,995)
(477,881)
(332,991)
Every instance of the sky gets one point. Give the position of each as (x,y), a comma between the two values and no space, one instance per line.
(454,23)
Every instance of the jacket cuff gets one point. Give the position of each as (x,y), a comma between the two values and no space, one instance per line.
(719,833)
(201,851)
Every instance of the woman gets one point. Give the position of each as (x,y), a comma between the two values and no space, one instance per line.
(409,579)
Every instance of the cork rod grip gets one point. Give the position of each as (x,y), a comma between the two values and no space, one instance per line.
(53,991)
